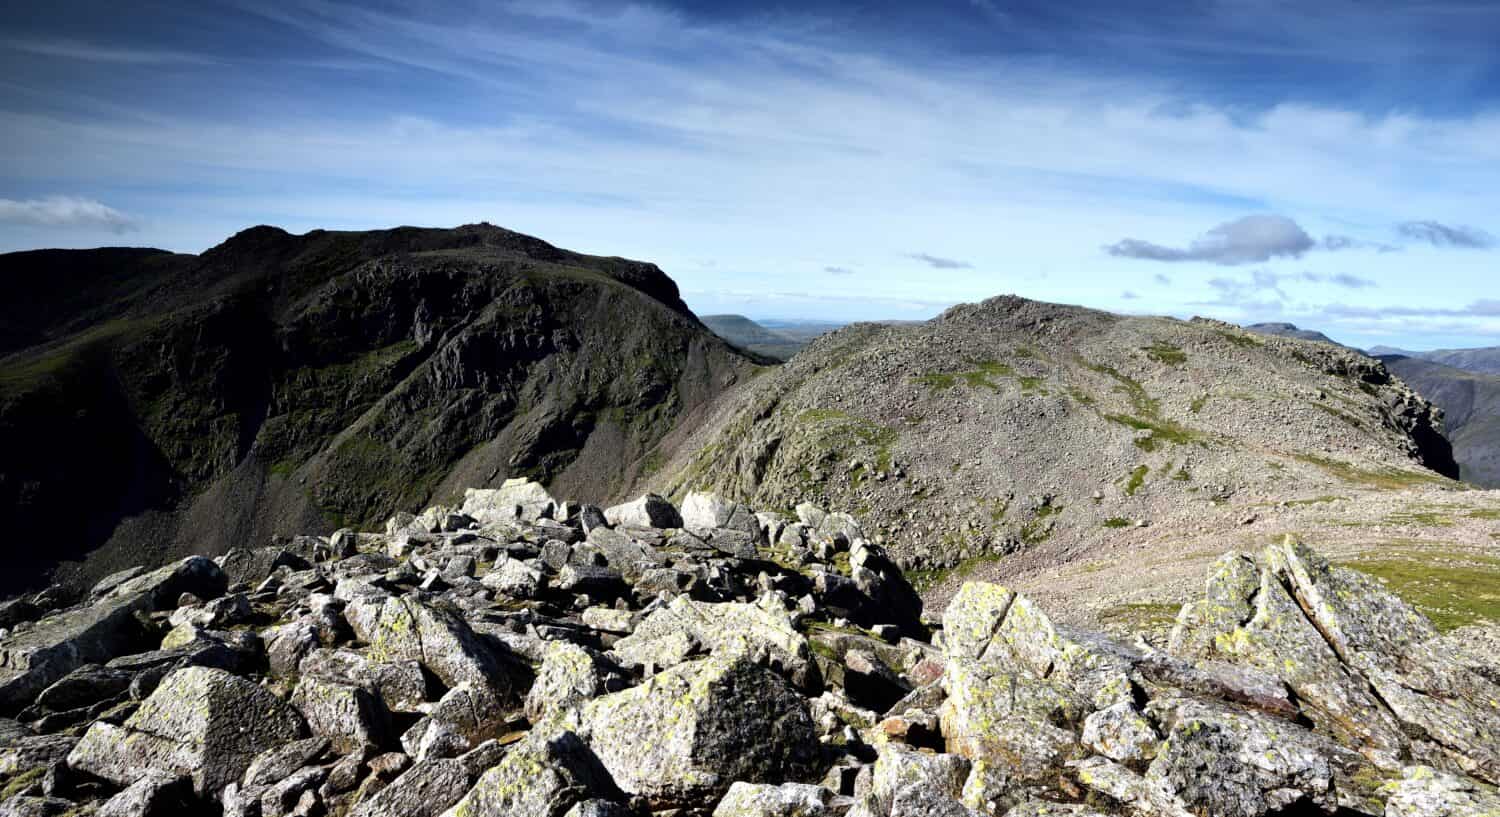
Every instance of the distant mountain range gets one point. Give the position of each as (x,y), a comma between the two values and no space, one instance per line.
(1465,383)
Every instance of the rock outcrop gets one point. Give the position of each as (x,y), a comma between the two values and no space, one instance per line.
(773,668)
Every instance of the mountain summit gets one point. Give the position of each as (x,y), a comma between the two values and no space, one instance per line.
(154,405)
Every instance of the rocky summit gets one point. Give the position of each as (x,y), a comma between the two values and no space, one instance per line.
(520,656)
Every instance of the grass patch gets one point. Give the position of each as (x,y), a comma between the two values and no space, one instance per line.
(1136,479)
(1345,416)
(1140,616)
(1147,413)
(977,377)
(1037,530)
(1384,478)
(1485,513)
(1244,340)
(1315,500)
(1166,353)
(1429,519)
(841,432)
(1117,522)
(1198,403)
(1453,588)
(924,580)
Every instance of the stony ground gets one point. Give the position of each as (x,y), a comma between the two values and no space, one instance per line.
(525,657)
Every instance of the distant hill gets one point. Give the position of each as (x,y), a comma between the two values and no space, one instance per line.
(1471,407)
(779,339)
(1288,330)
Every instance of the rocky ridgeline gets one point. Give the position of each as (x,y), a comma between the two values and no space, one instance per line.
(524,657)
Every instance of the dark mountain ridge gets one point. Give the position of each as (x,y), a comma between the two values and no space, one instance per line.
(155,404)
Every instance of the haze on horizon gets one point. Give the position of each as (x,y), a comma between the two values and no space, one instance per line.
(1335,165)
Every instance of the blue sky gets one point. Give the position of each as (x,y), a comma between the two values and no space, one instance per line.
(1335,164)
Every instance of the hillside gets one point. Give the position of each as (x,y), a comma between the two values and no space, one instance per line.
(1014,437)
(749,335)
(1471,412)
(1484,360)
(154,405)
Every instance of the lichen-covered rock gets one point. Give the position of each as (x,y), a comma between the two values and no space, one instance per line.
(406,629)
(196,575)
(1120,732)
(154,794)
(685,735)
(1242,763)
(786,800)
(514,578)
(542,776)
(1425,792)
(400,685)
(994,713)
(347,714)
(570,674)
(200,722)
(898,769)
(671,634)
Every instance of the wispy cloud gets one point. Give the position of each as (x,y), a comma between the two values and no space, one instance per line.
(838,270)
(93,52)
(1443,235)
(65,211)
(938,262)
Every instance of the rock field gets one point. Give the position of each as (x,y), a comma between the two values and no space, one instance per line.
(521,656)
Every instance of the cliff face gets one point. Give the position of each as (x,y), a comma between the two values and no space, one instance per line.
(155,404)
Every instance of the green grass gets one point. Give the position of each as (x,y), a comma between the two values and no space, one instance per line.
(977,377)
(924,580)
(1384,478)
(1453,588)
(842,432)
(1342,415)
(1146,413)
(1117,522)
(1429,519)
(19,781)
(31,368)
(1165,353)
(1485,513)
(1141,616)
(1243,340)
(1037,531)
(1314,500)
(1198,403)
(1136,479)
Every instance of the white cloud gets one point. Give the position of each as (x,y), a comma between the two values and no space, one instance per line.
(65,211)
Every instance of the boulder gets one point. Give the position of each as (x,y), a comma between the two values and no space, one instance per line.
(154,794)
(200,722)
(55,646)
(515,499)
(569,675)
(786,800)
(407,629)
(671,634)
(649,511)
(542,776)
(687,734)
(347,714)
(197,575)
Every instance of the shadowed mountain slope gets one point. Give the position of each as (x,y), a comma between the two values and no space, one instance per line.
(154,404)
(1471,412)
